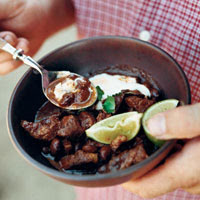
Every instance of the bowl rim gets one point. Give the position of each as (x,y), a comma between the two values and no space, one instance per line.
(93,177)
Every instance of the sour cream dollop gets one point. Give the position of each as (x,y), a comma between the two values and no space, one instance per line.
(114,84)
(64,87)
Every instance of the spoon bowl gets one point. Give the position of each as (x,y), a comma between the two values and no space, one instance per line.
(49,78)
(64,87)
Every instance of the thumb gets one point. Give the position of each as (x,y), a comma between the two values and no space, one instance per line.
(181,122)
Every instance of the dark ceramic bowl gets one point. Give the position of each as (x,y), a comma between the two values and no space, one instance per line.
(81,57)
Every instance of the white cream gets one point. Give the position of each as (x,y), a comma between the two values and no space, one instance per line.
(99,106)
(62,74)
(113,84)
(64,87)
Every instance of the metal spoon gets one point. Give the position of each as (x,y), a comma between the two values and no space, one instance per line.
(48,77)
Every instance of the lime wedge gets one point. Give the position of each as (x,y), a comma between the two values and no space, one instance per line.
(107,130)
(154,109)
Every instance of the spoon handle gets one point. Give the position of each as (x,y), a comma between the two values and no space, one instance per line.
(18,54)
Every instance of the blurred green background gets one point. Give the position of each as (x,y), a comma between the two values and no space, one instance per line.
(19,180)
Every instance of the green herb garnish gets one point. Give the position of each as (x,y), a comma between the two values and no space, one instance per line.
(109,104)
(100,93)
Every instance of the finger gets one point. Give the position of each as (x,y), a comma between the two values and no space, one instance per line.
(4,56)
(9,37)
(23,43)
(181,122)
(179,171)
(9,66)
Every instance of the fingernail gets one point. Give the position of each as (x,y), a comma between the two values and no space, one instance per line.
(156,125)
(9,39)
(23,45)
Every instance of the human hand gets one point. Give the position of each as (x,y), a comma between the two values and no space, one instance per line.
(7,64)
(19,19)
(181,170)
(26,24)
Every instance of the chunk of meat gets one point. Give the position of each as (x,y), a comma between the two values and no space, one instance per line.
(82,95)
(125,159)
(44,130)
(134,92)
(55,146)
(70,127)
(138,104)
(102,115)
(86,120)
(67,99)
(80,157)
(83,83)
(46,111)
(135,155)
(115,144)
(83,90)
(118,100)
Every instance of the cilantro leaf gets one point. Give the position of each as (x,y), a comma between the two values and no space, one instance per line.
(100,93)
(109,104)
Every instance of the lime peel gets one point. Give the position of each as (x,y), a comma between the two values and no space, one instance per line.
(158,107)
(107,130)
